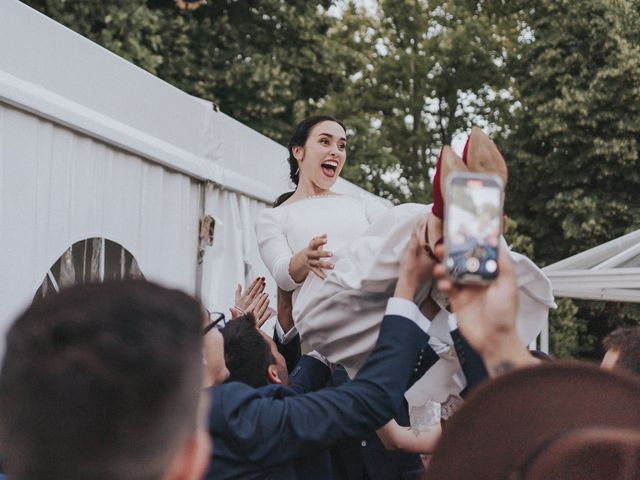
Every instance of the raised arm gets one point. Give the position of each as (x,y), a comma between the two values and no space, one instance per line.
(397,437)
(289,269)
(274,248)
(260,426)
(274,429)
(252,300)
(486,316)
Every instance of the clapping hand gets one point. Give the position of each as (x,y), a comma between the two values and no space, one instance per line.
(253,299)
(260,309)
(244,298)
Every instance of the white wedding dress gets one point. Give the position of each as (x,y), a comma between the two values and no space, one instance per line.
(340,316)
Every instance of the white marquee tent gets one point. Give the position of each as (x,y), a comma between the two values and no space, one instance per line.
(97,152)
(610,271)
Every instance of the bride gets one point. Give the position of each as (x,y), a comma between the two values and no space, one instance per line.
(339,255)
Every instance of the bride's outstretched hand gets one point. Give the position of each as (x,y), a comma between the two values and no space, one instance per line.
(311,259)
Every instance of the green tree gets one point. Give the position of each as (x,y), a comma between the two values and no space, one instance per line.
(573,147)
(432,69)
(267,63)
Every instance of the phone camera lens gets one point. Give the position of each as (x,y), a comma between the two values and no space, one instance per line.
(473,264)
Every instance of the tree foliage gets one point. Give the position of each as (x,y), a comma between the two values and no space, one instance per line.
(430,70)
(573,149)
(578,126)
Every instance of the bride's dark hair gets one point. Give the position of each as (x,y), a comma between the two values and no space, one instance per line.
(298,139)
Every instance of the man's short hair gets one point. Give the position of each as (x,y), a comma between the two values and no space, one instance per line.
(246,354)
(626,341)
(100,381)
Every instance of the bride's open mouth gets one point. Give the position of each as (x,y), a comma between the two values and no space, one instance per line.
(329,168)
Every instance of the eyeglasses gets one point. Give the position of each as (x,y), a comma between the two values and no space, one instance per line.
(216,320)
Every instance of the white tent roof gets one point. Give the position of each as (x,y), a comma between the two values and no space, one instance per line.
(610,271)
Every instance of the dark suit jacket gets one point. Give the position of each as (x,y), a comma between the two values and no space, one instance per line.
(274,433)
(363,458)
(366,458)
(472,365)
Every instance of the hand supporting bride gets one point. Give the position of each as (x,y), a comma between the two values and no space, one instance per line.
(310,259)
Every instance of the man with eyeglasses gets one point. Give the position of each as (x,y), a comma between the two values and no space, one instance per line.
(215,369)
(270,432)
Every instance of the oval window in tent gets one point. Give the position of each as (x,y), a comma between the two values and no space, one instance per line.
(89,260)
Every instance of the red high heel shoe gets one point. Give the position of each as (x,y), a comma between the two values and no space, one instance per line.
(482,156)
(448,162)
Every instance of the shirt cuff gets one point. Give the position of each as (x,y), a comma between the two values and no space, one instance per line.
(282,276)
(408,309)
(283,337)
(452,321)
(318,356)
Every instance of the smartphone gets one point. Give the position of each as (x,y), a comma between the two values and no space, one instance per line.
(472,226)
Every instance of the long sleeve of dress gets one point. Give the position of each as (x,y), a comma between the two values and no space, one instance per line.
(373,207)
(274,249)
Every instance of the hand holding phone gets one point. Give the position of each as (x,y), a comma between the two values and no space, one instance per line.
(472,227)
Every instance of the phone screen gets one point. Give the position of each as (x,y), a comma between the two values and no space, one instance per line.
(473,224)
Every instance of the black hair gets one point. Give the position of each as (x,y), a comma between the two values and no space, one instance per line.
(100,381)
(298,139)
(625,340)
(246,353)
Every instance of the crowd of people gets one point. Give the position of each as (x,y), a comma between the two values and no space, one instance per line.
(131,380)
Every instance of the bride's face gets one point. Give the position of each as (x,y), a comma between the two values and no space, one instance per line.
(323,155)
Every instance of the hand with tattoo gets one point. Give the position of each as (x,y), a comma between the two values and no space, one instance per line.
(486,316)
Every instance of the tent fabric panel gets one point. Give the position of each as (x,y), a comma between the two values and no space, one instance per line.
(609,272)
(605,294)
(58,187)
(71,66)
(233,258)
(229,148)
(627,258)
(596,255)
(251,154)
(611,278)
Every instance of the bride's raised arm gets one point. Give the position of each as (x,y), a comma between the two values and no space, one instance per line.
(287,268)
(274,248)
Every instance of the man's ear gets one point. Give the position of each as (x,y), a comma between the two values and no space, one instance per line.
(298,152)
(272,375)
(191,461)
